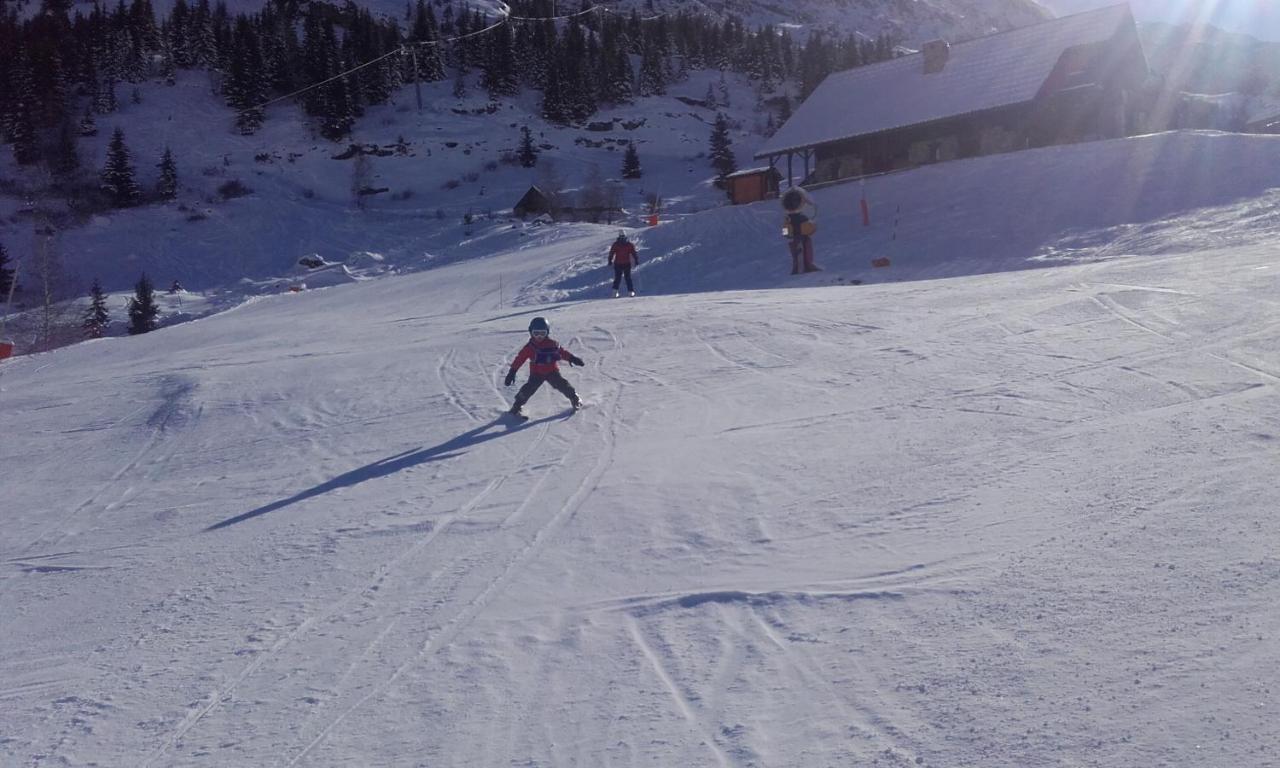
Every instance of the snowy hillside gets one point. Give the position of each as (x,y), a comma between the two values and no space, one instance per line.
(912,20)
(1008,520)
(432,167)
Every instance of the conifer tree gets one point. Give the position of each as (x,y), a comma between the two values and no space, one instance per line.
(6,274)
(167,186)
(555,106)
(104,100)
(88,126)
(425,32)
(65,159)
(96,317)
(722,159)
(631,162)
(617,88)
(500,64)
(22,115)
(245,85)
(528,153)
(179,42)
(142,308)
(118,176)
(653,76)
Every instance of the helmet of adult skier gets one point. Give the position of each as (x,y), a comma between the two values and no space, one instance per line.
(539,327)
(792,200)
(622,237)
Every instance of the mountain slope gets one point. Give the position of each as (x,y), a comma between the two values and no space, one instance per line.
(1008,520)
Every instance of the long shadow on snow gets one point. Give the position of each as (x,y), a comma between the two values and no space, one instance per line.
(391,465)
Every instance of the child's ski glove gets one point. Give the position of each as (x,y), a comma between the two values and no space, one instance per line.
(576,361)
(511,378)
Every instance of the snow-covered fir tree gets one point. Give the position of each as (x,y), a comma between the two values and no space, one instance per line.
(64,157)
(721,152)
(118,179)
(104,99)
(653,72)
(96,317)
(245,87)
(88,126)
(167,184)
(6,274)
(143,310)
(22,115)
(500,64)
(631,162)
(528,153)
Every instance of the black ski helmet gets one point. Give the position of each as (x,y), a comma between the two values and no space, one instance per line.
(791,200)
(539,324)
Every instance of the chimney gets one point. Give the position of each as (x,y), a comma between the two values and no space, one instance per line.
(936,53)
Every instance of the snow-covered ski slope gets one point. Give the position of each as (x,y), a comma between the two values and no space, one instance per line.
(1023,518)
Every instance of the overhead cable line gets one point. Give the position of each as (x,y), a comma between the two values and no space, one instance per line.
(404,48)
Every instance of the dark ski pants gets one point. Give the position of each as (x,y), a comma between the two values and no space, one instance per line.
(554,379)
(802,247)
(620,271)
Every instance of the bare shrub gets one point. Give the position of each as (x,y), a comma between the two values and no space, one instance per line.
(232,189)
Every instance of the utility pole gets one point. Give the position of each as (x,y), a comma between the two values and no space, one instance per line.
(417,84)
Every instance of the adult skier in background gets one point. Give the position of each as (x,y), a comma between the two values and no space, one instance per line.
(622,255)
(544,355)
(799,228)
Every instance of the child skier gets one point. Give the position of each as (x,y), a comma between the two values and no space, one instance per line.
(799,229)
(544,355)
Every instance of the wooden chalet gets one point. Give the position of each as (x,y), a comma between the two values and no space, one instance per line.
(1076,78)
(753,184)
(534,202)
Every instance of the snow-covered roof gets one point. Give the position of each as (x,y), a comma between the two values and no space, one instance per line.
(752,171)
(988,72)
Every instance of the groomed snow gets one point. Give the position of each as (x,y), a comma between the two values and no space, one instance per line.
(1021,518)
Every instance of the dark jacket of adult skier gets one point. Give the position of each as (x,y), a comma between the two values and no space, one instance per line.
(623,253)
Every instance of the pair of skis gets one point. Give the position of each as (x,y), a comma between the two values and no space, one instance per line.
(522,417)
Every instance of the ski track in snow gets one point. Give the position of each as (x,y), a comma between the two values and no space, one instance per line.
(475,605)
(999,521)
(386,570)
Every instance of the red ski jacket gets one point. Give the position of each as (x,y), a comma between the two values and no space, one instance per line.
(544,356)
(623,253)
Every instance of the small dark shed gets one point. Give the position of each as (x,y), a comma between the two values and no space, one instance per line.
(753,184)
(534,202)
